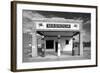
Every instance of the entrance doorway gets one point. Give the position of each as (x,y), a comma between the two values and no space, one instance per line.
(49,45)
(56,47)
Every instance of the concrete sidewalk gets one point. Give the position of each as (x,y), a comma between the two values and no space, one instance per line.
(52,56)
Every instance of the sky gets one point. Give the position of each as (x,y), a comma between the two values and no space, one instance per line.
(28,15)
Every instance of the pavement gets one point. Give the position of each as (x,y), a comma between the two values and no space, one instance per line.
(52,56)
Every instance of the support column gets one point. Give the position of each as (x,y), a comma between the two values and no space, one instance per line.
(73,46)
(59,46)
(81,39)
(34,42)
(81,43)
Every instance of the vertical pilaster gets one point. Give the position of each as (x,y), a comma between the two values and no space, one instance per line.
(59,46)
(34,42)
(81,39)
(81,43)
(73,46)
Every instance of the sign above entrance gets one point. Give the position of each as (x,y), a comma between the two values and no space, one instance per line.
(57,26)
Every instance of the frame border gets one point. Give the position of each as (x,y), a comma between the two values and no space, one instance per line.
(14,35)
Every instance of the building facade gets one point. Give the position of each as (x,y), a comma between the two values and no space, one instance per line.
(55,35)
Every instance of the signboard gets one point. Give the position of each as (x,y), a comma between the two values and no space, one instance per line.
(57,26)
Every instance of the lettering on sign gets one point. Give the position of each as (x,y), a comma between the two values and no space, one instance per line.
(58,26)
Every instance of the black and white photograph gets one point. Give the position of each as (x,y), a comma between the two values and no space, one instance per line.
(56,36)
(53,36)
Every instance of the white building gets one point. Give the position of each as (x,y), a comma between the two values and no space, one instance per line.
(55,34)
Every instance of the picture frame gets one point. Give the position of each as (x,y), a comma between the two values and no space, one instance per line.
(47,36)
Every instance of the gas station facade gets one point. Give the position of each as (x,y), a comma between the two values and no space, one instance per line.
(57,35)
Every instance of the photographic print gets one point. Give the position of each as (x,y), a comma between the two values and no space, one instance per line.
(53,36)
(56,36)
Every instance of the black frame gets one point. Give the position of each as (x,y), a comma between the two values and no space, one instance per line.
(14,35)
